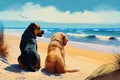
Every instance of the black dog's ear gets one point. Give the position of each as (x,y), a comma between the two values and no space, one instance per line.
(29,32)
(31,27)
(32,24)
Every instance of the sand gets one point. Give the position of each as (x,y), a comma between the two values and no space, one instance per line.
(84,59)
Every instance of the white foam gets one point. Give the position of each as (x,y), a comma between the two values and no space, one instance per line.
(77,35)
(104,38)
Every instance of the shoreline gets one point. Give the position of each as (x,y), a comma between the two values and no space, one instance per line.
(81,45)
(110,45)
(87,46)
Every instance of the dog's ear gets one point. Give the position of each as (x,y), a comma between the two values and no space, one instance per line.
(65,40)
(31,27)
(52,38)
(33,24)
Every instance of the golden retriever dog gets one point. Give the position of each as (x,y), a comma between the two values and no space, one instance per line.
(29,58)
(55,60)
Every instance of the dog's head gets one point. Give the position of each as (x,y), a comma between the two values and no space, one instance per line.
(35,29)
(60,37)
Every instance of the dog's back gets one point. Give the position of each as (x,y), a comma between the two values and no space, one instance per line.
(54,62)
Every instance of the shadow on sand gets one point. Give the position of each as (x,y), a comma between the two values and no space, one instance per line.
(48,74)
(14,68)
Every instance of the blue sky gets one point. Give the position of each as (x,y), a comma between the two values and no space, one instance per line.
(63,5)
(59,11)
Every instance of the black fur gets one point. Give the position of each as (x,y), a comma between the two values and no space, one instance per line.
(29,56)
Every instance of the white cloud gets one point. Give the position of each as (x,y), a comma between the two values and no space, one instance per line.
(35,12)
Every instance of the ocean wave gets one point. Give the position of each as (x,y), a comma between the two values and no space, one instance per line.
(63,29)
(76,35)
(109,29)
(47,30)
(79,31)
(103,38)
(80,35)
(96,29)
(116,29)
(91,36)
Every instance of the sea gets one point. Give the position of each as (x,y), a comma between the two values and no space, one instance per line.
(102,36)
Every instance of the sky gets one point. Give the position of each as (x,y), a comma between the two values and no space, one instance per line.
(16,12)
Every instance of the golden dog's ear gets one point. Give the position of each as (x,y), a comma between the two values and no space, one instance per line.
(65,40)
(52,38)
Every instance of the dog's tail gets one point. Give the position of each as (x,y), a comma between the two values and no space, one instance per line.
(73,70)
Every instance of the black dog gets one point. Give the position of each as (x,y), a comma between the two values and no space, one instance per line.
(29,58)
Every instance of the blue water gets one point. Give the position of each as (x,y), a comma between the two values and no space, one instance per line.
(86,35)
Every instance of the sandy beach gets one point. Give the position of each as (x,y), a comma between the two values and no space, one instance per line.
(91,29)
(85,59)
